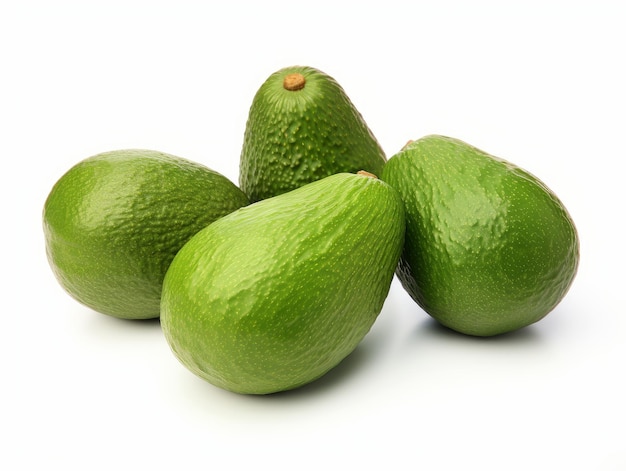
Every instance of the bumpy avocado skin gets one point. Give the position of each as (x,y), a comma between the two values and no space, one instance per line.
(114,221)
(271,298)
(489,248)
(294,137)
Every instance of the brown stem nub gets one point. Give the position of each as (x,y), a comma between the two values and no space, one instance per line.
(294,82)
(365,173)
(409,142)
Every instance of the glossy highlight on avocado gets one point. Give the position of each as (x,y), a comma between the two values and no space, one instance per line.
(489,247)
(274,295)
(302,127)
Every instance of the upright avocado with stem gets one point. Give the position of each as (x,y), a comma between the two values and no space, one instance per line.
(303,127)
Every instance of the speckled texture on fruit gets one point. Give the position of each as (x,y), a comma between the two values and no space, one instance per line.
(114,222)
(489,248)
(274,295)
(294,137)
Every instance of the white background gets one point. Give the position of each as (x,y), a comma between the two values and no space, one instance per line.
(541,84)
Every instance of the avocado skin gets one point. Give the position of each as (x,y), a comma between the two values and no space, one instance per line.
(489,248)
(114,221)
(296,137)
(271,298)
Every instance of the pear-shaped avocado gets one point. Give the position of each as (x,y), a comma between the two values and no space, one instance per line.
(272,297)
(489,248)
(303,127)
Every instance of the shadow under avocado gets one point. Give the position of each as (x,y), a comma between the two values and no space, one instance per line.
(103,323)
(431,328)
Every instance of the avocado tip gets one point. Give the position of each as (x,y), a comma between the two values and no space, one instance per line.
(366,174)
(294,82)
(408,143)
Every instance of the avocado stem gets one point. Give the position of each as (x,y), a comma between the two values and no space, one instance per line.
(409,142)
(365,173)
(294,82)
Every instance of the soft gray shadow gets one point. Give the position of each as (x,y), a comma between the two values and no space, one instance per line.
(105,323)
(431,328)
(137,322)
(154,323)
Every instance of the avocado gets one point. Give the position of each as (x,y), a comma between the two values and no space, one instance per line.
(302,127)
(114,221)
(271,297)
(489,248)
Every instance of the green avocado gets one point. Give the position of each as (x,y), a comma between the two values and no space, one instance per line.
(114,221)
(303,127)
(272,296)
(489,248)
